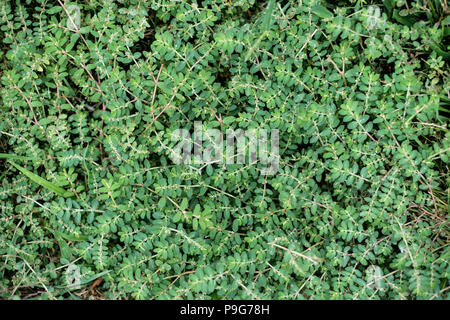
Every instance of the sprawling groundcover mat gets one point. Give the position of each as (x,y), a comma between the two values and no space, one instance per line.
(99,97)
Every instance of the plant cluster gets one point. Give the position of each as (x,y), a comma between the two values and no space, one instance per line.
(91,91)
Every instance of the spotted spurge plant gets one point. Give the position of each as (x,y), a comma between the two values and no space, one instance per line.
(91,91)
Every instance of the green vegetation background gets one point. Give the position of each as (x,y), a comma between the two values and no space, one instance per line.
(358,89)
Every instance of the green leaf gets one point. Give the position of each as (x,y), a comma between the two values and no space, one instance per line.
(322,12)
(42,182)
(162,203)
(439,51)
(89,279)
(184,204)
(407,21)
(268,16)
(69,237)
(389,5)
(14,157)
(65,250)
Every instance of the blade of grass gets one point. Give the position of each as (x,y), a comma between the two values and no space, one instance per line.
(439,51)
(42,182)
(69,237)
(14,157)
(322,12)
(65,250)
(85,281)
(265,28)
(268,16)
